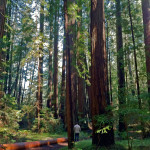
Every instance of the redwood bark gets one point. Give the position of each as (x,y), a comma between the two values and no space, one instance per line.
(146,23)
(99,90)
(2,16)
(72,40)
(69,112)
(2,22)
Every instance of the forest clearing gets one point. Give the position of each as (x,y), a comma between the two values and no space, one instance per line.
(77,70)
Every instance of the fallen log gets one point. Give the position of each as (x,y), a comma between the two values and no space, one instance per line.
(25,145)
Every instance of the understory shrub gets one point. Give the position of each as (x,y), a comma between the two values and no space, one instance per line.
(48,123)
(9,119)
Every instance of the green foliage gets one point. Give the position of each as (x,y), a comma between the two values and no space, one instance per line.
(9,115)
(48,123)
(9,119)
(28,115)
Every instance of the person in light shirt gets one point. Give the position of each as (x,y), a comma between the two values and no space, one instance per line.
(77,130)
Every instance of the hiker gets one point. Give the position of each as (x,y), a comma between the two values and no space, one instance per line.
(77,130)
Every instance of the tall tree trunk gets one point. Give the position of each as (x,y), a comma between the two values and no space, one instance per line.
(69,112)
(2,22)
(146,23)
(120,65)
(50,78)
(72,40)
(99,90)
(40,67)
(56,31)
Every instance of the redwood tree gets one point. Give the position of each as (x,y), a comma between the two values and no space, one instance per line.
(2,22)
(69,113)
(146,22)
(99,90)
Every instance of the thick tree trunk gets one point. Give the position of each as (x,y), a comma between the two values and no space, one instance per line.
(72,40)
(69,111)
(99,90)
(2,22)
(120,65)
(40,67)
(146,23)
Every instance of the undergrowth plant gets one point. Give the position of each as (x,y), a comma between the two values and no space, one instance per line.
(9,119)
